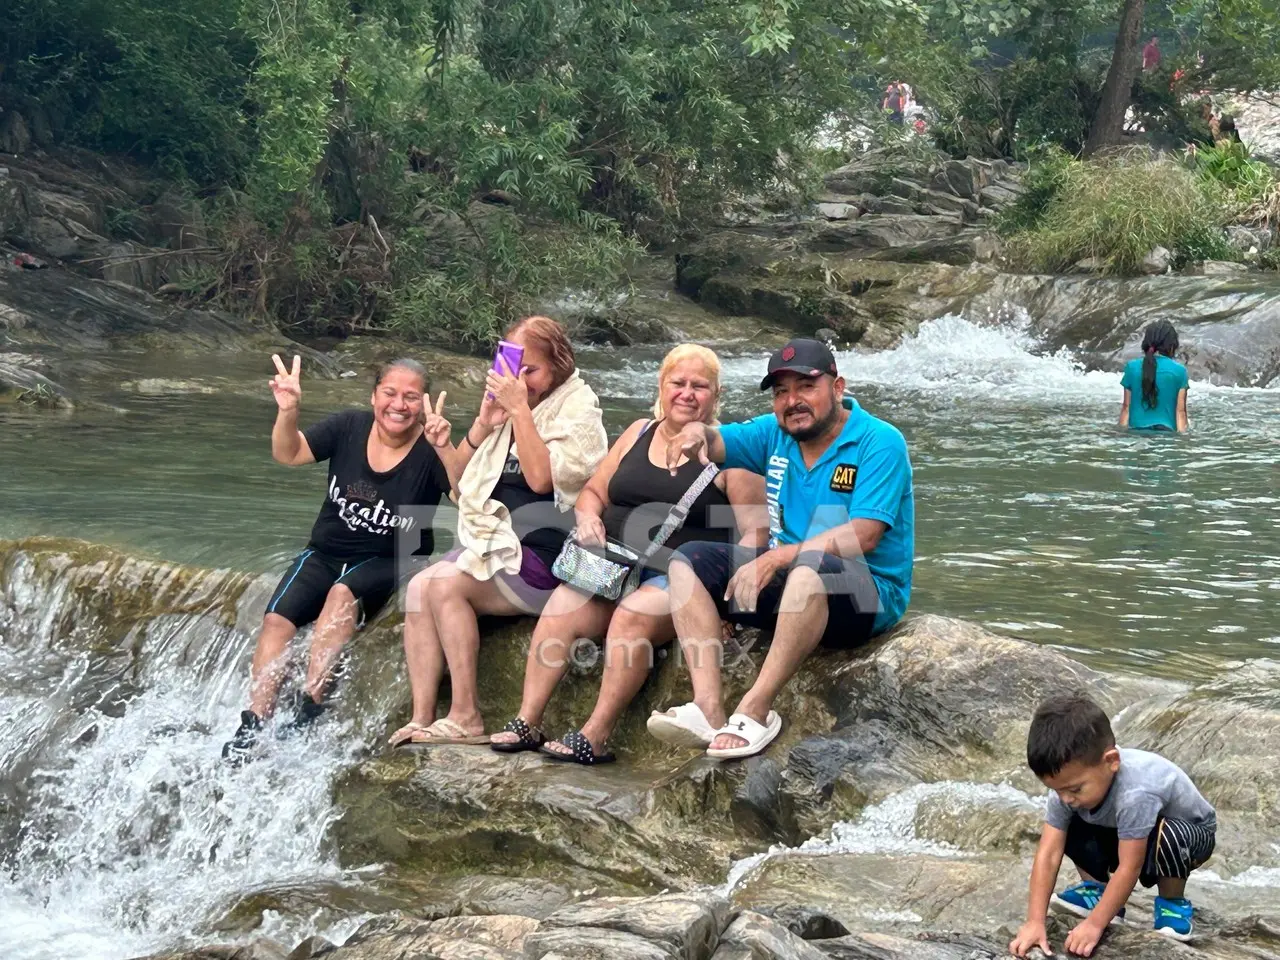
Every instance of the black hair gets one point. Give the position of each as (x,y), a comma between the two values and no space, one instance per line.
(404,363)
(1067,727)
(1159,337)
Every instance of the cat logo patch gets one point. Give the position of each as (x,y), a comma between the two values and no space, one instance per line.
(843,477)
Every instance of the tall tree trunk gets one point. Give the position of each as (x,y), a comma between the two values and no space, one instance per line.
(1108,122)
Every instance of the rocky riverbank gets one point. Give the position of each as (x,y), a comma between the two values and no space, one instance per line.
(892,244)
(905,759)
(888,244)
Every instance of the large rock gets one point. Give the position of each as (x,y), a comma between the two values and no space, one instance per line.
(896,904)
(14,135)
(452,938)
(686,924)
(1229,327)
(258,950)
(858,728)
(904,713)
(57,309)
(884,232)
(881,207)
(863,300)
(1248,241)
(1216,268)
(753,936)
(577,943)
(1157,261)
(22,381)
(905,759)
(963,178)
(1216,733)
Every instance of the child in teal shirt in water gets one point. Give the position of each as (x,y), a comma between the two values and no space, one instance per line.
(1159,381)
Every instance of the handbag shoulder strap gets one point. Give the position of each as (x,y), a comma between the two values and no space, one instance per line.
(680,512)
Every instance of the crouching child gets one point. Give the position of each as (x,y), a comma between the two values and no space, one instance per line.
(1121,816)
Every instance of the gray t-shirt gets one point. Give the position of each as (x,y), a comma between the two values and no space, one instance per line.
(1146,787)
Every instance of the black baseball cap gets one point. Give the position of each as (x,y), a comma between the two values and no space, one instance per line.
(809,358)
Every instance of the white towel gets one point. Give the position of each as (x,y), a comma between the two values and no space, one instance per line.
(570,424)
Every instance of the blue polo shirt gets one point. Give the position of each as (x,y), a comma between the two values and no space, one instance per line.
(865,473)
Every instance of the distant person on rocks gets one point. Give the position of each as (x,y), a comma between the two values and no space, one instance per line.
(1226,132)
(838,566)
(1122,816)
(380,461)
(1158,381)
(1151,54)
(894,103)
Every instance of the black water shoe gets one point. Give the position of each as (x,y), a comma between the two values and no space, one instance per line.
(305,710)
(239,749)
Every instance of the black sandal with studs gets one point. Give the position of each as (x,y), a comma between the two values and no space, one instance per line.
(582,751)
(530,739)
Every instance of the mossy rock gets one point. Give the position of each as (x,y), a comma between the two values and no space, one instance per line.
(104,592)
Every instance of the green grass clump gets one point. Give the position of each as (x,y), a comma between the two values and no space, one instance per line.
(1116,210)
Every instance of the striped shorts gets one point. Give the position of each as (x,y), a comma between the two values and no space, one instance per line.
(1174,849)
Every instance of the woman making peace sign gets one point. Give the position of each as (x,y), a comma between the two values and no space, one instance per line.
(381,461)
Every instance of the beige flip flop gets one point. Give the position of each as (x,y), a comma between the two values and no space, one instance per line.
(445,732)
(405,733)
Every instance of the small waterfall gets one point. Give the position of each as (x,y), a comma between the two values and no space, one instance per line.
(125,833)
(889,827)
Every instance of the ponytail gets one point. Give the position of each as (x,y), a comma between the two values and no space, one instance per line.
(1159,337)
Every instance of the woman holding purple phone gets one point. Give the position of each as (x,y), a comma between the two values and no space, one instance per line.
(516,474)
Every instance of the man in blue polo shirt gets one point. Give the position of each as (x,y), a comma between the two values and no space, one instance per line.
(838,566)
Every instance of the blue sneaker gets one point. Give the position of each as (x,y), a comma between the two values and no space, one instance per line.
(1173,918)
(1081,898)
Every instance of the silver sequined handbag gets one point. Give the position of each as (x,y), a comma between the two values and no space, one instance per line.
(592,570)
(613,571)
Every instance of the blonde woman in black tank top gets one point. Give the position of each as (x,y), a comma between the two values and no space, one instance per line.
(628,498)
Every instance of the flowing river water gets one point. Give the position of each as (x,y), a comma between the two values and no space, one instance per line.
(121,832)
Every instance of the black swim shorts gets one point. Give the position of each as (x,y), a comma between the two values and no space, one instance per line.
(301,593)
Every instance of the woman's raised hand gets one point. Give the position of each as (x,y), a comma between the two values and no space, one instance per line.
(434,426)
(509,390)
(286,385)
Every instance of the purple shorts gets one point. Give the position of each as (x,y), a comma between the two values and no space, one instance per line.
(530,588)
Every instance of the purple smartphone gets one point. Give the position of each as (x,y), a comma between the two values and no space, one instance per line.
(513,353)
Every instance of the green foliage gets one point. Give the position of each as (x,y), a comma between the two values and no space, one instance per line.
(1048,171)
(301,47)
(345,129)
(1227,164)
(124,223)
(470,298)
(1248,189)
(1004,75)
(1231,44)
(1202,240)
(161,80)
(1116,210)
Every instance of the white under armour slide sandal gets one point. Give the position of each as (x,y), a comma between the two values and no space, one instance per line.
(682,726)
(758,736)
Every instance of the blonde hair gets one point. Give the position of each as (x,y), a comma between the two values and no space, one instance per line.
(679,354)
